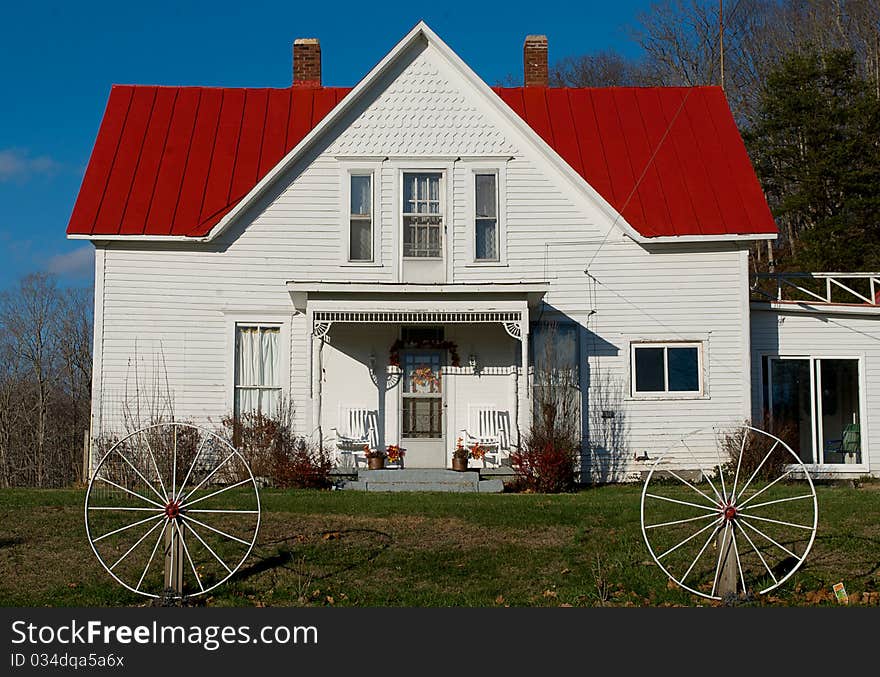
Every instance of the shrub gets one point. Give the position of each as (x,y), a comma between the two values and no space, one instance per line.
(757,446)
(276,454)
(545,467)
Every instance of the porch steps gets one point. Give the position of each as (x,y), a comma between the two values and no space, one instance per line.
(423,479)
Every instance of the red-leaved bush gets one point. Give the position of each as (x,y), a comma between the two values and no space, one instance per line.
(277,455)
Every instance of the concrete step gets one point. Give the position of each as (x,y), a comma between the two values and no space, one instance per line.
(423,479)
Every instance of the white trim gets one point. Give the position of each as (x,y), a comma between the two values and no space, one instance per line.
(805,307)
(746,329)
(667,394)
(374,171)
(231,321)
(95,425)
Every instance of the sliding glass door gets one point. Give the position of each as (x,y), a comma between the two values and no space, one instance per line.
(814,405)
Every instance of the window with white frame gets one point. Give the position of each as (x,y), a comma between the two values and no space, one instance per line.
(486,230)
(257,369)
(422,215)
(360,240)
(673,368)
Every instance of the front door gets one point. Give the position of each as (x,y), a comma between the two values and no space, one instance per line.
(422,409)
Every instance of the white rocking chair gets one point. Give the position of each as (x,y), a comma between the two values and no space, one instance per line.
(360,429)
(489,428)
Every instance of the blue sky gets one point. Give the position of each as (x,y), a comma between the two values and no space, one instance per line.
(60,58)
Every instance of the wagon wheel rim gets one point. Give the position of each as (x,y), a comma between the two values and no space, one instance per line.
(734,510)
(177,498)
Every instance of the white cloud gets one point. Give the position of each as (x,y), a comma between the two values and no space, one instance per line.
(77,263)
(19,164)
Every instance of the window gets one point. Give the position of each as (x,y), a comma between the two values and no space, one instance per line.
(257,369)
(422,215)
(360,247)
(667,368)
(486,234)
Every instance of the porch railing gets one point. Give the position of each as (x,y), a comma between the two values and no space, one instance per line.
(850,288)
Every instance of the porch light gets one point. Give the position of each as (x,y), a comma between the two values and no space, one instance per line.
(472,361)
(372,361)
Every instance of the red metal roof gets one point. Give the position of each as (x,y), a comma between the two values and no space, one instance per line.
(176,160)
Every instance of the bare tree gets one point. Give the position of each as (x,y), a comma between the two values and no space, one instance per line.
(603,69)
(44,381)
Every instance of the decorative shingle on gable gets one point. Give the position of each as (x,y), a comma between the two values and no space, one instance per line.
(422,113)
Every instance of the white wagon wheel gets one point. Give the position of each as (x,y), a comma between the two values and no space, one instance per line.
(745,523)
(172,509)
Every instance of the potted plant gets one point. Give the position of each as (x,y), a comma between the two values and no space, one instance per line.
(375,458)
(462,454)
(395,454)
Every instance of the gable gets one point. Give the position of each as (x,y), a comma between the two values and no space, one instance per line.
(422,112)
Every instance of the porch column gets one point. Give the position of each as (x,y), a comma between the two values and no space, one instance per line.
(319,330)
(525,390)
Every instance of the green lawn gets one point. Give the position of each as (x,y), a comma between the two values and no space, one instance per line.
(350,548)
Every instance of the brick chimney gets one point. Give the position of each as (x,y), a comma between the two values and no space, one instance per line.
(306,62)
(535,61)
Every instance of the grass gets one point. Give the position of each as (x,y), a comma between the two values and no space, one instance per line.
(397,549)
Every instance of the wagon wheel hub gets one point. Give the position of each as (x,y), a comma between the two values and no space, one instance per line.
(729,513)
(172,510)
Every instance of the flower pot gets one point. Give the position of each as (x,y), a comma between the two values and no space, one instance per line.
(459,464)
(376,462)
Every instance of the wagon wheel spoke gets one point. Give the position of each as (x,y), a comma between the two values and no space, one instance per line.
(742,508)
(138,473)
(682,521)
(156,467)
(760,556)
(686,483)
(768,538)
(700,553)
(718,496)
(757,470)
(174,466)
(739,459)
(723,552)
(127,526)
(209,548)
(192,466)
(742,578)
(707,508)
(219,532)
(209,476)
(690,538)
(136,544)
(216,493)
(129,491)
(150,560)
(188,556)
(742,505)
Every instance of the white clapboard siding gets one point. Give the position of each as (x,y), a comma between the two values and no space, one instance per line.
(823,334)
(177,300)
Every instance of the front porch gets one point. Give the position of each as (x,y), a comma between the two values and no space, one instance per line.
(424,368)
(487,481)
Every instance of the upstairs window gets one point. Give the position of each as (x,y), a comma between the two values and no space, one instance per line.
(660,368)
(486,233)
(360,247)
(422,215)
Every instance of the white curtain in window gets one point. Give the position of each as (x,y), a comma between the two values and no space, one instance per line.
(257,369)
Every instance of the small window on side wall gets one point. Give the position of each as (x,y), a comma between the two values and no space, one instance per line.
(360,247)
(667,368)
(486,231)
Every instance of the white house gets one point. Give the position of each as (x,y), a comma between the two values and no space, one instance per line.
(392,257)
